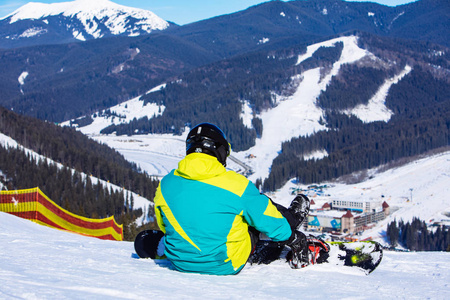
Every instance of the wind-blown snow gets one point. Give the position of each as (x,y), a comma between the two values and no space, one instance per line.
(88,12)
(38,262)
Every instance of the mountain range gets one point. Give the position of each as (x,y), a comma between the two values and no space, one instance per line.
(250,61)
(80,20)
(85,76)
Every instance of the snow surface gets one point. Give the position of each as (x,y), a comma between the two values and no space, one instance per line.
(127,111)
(247,114)
(88,12)
(38,262)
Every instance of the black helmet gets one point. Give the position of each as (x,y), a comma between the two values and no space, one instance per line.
(208,138)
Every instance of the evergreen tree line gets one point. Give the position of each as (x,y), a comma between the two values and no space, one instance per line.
(323,56)
(73,149)
(70,190)
(354,85)
(415,236)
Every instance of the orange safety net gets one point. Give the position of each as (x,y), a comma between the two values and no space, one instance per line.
(34,205)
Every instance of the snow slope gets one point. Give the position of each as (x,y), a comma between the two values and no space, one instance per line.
(38,262)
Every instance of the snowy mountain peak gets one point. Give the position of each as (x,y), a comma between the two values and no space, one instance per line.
(91,19)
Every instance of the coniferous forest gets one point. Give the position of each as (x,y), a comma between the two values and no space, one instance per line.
(67,188)
(416,236)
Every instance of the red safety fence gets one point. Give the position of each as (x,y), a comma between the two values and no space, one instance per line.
(34,205)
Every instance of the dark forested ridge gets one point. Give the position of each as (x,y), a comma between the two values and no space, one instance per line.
(71,80)
(74,151)
(66,81)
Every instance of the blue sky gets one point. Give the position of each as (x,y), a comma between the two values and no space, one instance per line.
(179,11)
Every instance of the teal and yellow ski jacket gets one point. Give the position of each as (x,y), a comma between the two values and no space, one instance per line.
(205,210)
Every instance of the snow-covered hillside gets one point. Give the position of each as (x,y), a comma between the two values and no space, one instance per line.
(417,189)
(293,116)
(38,262)
(139,201)
(298,115)
(98,18)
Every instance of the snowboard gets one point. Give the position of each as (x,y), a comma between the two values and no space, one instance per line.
(363,255)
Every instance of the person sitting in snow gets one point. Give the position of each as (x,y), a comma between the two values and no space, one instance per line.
(212,218)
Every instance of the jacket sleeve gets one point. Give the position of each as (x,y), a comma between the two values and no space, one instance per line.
(260,213)
(158,214)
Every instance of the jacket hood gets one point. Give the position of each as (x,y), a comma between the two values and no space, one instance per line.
(199,166)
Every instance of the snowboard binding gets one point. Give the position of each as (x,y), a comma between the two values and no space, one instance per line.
(316,252)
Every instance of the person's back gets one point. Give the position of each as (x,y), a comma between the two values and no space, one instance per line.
(205,211)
